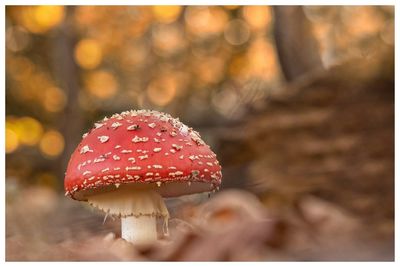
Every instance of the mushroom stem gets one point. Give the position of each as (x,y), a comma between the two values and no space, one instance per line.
(139,229)
(138,209)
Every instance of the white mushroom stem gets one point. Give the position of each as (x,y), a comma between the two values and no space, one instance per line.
(139,230)
(138,210)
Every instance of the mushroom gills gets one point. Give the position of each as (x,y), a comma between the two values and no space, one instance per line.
(138,210)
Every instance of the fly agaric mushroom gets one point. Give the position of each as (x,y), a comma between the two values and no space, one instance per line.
(127,163)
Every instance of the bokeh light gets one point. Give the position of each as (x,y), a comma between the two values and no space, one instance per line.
(168,39)
(86,15)
(20,68)
(40,19)
(166,14)
(30,131)
(88,53)
(210,69)
(161,91)
(204,21)
(49,16)
(141,21)
(22,131)
(237,32)
(263,62)
(54,99)
(133,56)
(101,84)
(12,142)
(52,144)
(258,17)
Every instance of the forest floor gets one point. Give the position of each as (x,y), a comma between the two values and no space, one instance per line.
(232,225)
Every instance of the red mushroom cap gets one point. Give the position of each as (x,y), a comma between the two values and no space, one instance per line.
(142,148)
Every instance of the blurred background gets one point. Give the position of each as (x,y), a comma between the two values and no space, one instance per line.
(297,102)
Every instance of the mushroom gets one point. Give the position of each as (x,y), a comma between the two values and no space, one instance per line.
(129,162)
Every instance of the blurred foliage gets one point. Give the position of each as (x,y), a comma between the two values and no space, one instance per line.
(192,62)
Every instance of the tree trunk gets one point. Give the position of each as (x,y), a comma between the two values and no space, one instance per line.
(296,46)
(67,74)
